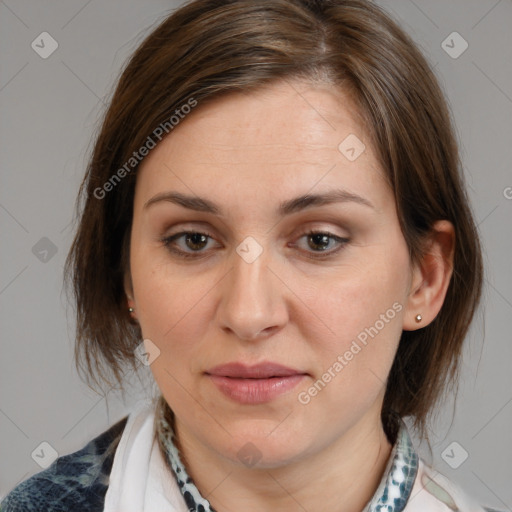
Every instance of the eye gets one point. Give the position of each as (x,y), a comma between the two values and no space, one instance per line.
(322,239)
(196,241)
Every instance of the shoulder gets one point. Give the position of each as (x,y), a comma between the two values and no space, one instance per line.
(77,481)
(434,491)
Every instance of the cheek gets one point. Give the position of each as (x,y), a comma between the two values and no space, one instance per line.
(172,309)
(166,301)
(345,305)
(169,313)
(355,323)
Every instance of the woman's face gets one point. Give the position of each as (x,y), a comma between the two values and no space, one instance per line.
(248,285)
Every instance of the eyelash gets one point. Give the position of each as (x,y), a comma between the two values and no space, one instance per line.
(167,241)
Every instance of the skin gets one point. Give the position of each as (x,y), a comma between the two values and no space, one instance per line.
(248,153)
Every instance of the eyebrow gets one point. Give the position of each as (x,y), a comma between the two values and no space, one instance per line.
(288,207)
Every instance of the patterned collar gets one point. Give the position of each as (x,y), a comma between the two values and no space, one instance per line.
(391,495)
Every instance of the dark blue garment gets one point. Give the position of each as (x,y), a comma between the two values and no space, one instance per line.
(76,482)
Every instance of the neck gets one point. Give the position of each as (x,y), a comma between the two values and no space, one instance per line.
(345,475)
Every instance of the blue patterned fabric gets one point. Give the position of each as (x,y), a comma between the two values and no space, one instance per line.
(75,482)
(395,489)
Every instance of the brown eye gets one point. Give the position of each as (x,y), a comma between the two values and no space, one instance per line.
(320,241)
(193,240)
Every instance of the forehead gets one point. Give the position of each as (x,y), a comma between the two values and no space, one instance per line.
(290,135)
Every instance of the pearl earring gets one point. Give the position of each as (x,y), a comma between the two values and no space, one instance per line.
(418,318)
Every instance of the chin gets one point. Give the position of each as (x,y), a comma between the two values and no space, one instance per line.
(258,454)
(265,448)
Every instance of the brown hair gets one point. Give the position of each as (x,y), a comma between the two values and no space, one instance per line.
(210,47)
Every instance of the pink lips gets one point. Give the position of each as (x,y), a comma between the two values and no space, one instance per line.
(254,384)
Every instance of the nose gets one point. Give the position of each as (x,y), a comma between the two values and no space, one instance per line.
(253,302)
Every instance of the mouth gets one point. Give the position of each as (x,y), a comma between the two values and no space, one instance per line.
(264,370)
(256,384)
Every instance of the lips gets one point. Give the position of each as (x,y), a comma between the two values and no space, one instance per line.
(252,385)
(260,371)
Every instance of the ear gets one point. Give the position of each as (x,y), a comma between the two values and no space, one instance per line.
(125,265)
(431,277)
(128,290)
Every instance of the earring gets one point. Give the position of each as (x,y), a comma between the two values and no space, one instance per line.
(418,318)
(131,310)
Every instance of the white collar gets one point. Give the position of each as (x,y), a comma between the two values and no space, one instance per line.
(140,480)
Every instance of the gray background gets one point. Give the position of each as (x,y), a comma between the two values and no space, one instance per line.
(49,111)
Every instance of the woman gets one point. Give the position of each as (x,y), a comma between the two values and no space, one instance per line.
(274,221)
